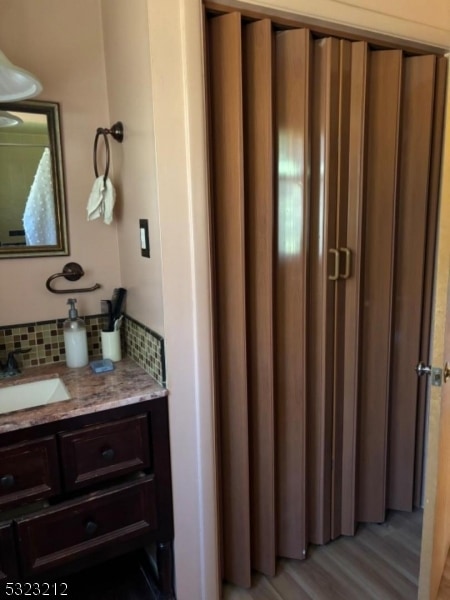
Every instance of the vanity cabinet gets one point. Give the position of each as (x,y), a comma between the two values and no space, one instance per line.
(104,483)
(8,563)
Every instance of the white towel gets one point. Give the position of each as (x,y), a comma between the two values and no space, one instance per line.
(39,219)
(101,201)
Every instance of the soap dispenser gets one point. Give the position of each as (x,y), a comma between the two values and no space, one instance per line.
(75,338)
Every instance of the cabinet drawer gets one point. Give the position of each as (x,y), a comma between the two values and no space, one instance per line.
(103,451)
(58,535)
(28,472)
(8,566)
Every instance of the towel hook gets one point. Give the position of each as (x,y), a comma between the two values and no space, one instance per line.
(116,131)
(72,272)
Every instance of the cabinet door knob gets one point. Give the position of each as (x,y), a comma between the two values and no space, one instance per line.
(108,453)
(7,481)
(90,527)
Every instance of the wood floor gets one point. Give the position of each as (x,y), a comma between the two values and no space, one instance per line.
(380,563)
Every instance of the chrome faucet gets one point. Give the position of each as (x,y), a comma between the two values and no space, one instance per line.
(11,367)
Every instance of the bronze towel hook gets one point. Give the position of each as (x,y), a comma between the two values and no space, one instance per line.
(116,131)
(71,272)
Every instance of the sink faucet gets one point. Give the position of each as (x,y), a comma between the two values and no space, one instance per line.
(11,367)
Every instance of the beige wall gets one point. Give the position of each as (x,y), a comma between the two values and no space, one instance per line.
(61,42)
(67,53)
(127,55)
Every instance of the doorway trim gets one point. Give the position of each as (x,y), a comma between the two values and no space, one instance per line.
(175,34)
(433,536)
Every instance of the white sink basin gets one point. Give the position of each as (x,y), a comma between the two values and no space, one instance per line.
(35,393)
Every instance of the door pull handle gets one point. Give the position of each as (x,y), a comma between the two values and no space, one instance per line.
(347,269)
(335,275)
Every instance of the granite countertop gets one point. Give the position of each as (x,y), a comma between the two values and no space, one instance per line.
(89,392)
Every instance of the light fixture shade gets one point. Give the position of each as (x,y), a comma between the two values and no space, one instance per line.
(7,119)
(16,83)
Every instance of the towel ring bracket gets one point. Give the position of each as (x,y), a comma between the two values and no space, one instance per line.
(116,131)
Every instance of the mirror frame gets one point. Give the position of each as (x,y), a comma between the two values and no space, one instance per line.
(52,112)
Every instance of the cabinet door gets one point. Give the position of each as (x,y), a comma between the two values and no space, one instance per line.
(104,451)
(8,565)
(98,522)
(28,472)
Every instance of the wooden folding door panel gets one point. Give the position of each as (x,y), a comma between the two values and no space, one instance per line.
(292,91)
(323,278)
(350,219)
(259,218)
(336,243)
(227,166)
(384,96)
(413,185)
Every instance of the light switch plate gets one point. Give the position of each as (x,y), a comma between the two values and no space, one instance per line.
(144,238)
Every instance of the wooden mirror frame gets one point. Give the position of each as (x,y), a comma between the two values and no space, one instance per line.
(52,112)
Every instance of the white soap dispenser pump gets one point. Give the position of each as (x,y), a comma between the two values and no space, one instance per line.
(75,338)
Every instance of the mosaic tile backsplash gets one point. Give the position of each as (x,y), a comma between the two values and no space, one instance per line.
(146,348)
(46,342)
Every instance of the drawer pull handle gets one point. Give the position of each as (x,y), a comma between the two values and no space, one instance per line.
(108,454)
(90,527)
(7,481)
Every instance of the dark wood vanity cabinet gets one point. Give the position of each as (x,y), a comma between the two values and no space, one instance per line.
(104,483)
(8,563)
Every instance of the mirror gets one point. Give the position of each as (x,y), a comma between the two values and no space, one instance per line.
(32,200)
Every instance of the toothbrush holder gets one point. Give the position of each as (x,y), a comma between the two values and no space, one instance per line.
(111,345)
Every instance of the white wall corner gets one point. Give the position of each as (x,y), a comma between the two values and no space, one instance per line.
(175,29)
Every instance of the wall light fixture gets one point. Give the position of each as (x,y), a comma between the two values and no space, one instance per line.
(16,83)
